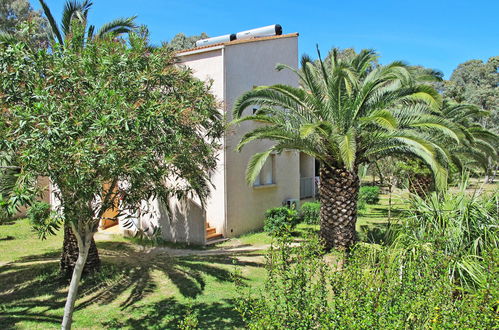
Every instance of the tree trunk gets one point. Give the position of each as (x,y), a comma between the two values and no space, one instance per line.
(421,184)
(339,189)
(69,255)
(84,247)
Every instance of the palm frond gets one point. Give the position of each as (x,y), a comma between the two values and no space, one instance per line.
(74,9)
(348,148)
(255,165)
(117,26)
(53,24)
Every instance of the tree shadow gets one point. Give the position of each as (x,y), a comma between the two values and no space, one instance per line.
(31,289)
(169,313)
(186,273)
(382,212)
(20,287)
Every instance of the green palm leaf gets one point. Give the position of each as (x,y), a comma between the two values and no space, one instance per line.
(255,165)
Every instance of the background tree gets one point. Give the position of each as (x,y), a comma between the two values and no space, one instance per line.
(75,14)
(15,12)
(16,15)
(180,41)
(476,82)
(476,150)
(348,112)
(111,114)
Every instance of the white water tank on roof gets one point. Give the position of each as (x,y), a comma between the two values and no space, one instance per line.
(265,31)
(215,40)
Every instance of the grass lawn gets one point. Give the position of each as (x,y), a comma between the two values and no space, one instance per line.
(137,287)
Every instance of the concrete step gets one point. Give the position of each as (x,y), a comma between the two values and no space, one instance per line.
(216,241)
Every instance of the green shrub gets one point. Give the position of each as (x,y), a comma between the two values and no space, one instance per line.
(310,213)
(379,288)
(279,220)
(361,204)
(369,194)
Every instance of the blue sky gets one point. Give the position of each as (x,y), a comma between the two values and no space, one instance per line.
(439,34)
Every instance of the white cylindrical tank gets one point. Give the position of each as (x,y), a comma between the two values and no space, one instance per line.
(215,40)
(265,31)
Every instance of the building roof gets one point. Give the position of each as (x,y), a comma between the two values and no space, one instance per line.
(186,52)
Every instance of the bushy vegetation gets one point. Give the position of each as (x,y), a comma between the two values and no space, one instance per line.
(369,194)
(463,226)
(279,220)
(310,213)
(438,271)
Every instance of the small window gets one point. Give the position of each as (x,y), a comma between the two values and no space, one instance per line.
(267,174)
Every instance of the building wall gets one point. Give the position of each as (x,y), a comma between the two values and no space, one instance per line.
(248,65)
(186,223)
(307,166)
(209,67)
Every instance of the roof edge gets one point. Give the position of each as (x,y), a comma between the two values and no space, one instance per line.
(208,48)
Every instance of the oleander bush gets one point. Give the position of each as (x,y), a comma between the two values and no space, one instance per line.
(44,221)
(310,213)
(279,220)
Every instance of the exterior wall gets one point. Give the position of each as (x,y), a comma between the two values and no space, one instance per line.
(185,225)
(248,65)
(307,166)
(209,66)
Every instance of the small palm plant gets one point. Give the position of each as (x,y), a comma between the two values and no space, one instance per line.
(347,112)
(461,224)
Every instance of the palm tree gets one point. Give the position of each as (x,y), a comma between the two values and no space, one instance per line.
(75,10)
(479,145)
(74,28)
(476,149)
(347,112)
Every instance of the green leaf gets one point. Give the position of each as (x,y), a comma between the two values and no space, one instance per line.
(255,165)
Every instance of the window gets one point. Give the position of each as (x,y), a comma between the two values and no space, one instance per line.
(267,174)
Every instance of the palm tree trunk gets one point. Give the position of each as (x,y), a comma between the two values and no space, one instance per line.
(421,184)
(70,251)
(339,189)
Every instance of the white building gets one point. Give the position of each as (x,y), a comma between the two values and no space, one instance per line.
(234,207)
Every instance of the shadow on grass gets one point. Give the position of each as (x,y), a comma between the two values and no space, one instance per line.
(381,212)
(169,313)
(31,289)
